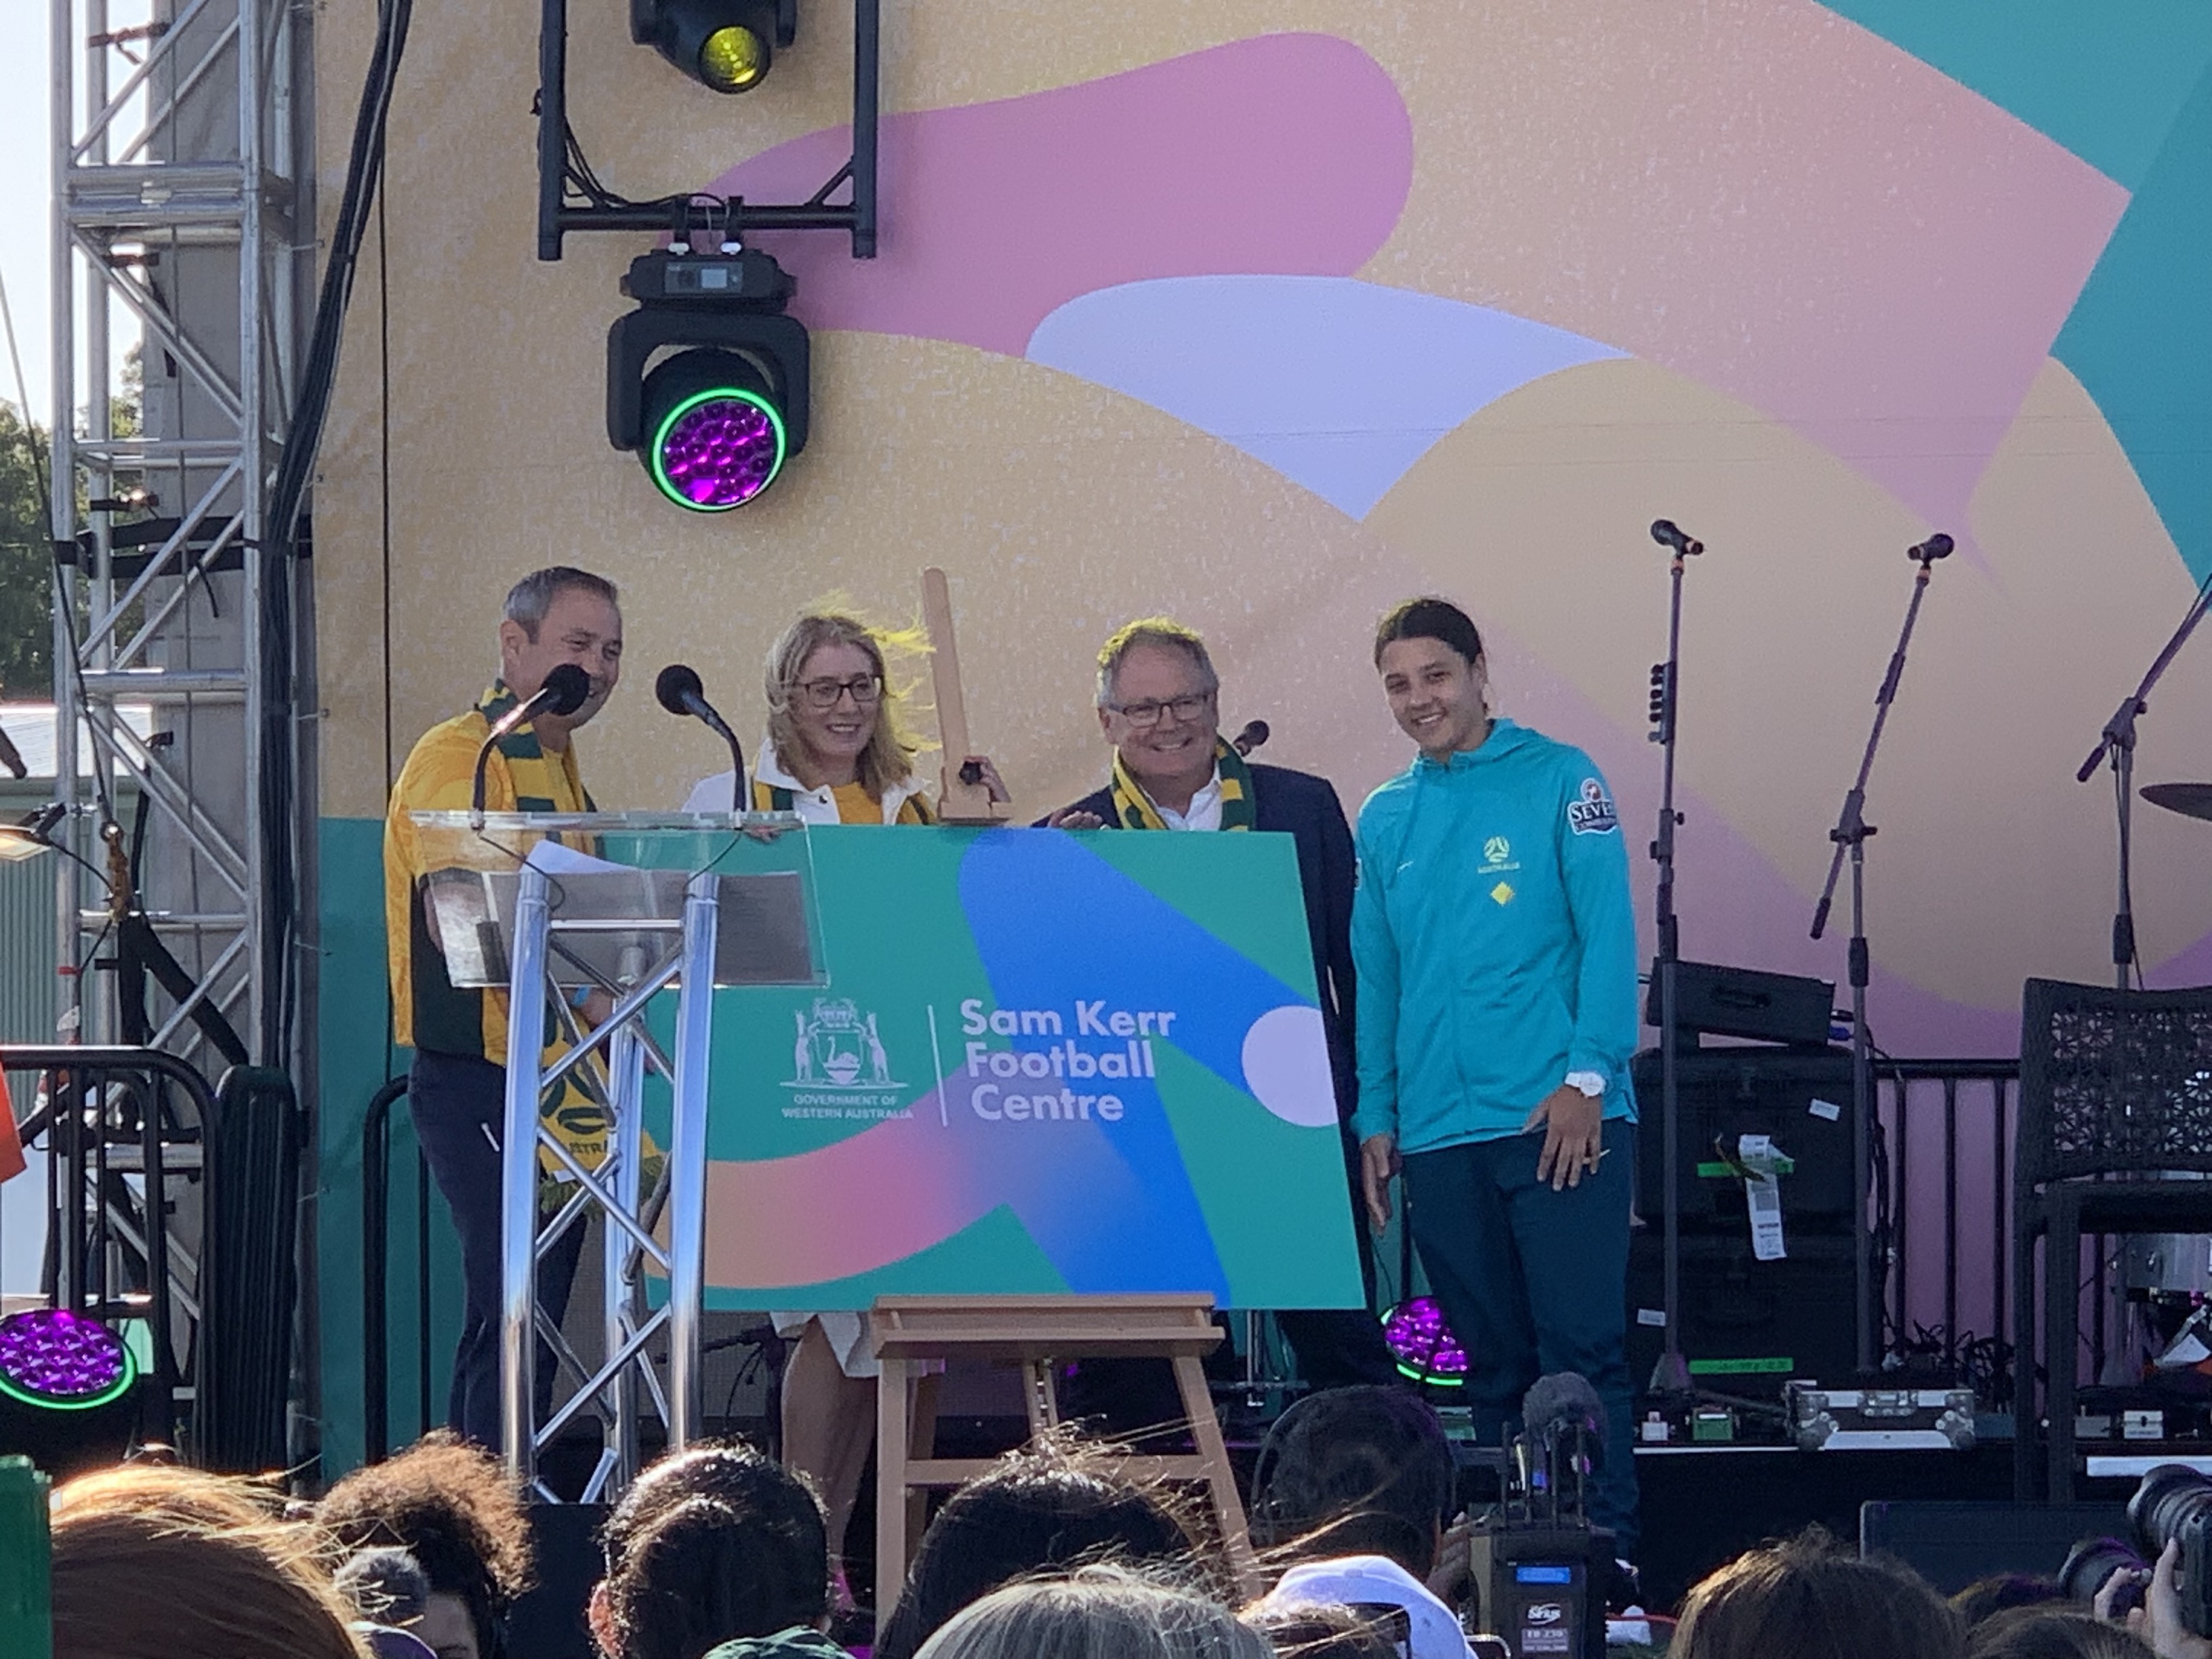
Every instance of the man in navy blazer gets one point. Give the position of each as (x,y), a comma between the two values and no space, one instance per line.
(1159,705)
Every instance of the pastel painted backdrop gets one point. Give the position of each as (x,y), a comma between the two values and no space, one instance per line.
(1268,315)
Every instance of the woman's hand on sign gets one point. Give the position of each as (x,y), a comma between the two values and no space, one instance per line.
(1378,1163)
(978,769)
(1069,817)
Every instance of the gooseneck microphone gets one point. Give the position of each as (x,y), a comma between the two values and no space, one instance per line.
(677,689)
(1667,533)
(564,692)
(1937,546)
(1255,733)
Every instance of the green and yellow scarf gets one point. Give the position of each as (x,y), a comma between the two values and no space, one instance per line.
(580,1122)
(1133,808)
(532,770)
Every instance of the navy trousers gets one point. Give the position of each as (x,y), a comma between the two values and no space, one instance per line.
(460,1107)
(1534,1282)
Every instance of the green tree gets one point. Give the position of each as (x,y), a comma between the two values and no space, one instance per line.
(27,585)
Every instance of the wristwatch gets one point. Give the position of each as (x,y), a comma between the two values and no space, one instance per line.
(1590,1084)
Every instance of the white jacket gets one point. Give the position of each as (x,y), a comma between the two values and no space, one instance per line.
(712,794)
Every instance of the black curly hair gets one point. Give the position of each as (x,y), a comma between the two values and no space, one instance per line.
(1052,1506)
(448,1503)
(714,1542)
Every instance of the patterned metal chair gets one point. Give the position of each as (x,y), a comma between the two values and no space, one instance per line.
(2115,1102)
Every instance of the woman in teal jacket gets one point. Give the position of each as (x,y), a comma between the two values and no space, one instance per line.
(1495,946)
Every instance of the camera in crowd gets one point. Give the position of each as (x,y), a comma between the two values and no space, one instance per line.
(2173,1505)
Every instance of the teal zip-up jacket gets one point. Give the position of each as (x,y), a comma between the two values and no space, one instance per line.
(1494,941)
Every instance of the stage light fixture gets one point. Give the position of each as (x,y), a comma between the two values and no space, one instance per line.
(53,1359)
(717,436)
(1423,1344)
(727,46)
(708,379)
(69,1391)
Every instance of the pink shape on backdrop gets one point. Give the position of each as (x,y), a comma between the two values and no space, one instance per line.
(919,1189)
(1284,153)
(1815,221)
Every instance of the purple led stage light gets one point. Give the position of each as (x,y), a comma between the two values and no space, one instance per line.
(1423,1344)
(59,1360)
(718,449)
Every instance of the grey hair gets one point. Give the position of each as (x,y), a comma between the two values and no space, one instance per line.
(1103,1611)
(529,600)
(1162,631)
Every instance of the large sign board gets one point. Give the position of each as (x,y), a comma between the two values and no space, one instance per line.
(1043,1062)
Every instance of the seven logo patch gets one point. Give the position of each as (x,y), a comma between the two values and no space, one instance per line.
(1592,813)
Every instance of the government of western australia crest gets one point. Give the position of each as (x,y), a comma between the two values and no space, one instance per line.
(838,1059)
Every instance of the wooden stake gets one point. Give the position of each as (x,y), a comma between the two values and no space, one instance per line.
(956,802)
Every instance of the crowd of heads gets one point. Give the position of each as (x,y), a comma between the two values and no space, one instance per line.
(1058,1552)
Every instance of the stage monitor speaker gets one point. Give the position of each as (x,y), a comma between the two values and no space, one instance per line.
(1801,1101)
(1748,1325)
(1743,1002)
(1951,1544)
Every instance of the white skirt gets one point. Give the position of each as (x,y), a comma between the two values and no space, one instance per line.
(848,1338)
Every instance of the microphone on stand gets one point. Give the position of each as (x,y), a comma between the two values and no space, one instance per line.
(678,689)
(1565,1401)
(1937,546)
(1667,534)
(1255,733)
(565,691)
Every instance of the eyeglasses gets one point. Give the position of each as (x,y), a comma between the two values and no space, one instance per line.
(866,689)
(1143,715)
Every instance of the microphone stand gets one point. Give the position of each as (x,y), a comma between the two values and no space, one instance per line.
(1850,835)
(2119,741)
(1671,1377)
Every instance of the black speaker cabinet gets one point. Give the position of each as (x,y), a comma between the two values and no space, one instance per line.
(1801,1101)
(1748,1325)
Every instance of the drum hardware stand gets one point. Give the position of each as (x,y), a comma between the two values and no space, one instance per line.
(2118,740)
(1850,836)
(1671,1377)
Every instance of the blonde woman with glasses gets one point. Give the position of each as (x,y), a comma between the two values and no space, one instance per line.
(837,751)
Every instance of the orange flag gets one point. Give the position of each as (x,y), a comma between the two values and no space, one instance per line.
(11,1149)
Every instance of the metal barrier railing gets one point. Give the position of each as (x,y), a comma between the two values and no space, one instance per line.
(98,1103)
(376,1268)
(223,1393)
(1960,1194)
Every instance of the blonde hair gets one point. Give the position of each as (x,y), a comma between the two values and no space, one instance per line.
(1102,1612)
(887,761)
(170,1565)
(1163,631)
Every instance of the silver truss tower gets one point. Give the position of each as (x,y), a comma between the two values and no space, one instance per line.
(181,184)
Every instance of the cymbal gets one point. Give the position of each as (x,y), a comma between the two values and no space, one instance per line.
(2192,801)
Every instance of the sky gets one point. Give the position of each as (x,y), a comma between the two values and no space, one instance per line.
(25,166)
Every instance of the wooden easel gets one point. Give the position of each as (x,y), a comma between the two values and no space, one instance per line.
(1035,1331)
(958,801)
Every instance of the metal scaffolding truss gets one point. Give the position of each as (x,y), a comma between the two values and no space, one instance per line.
(180,157)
